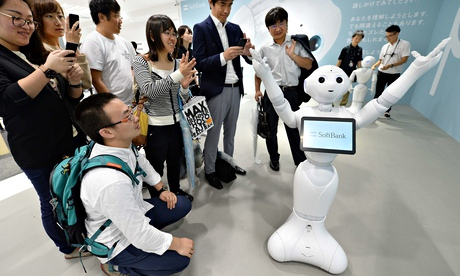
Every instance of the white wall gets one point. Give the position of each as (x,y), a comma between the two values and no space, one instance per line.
(133,28)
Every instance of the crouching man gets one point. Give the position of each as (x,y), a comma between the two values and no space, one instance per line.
(139,247)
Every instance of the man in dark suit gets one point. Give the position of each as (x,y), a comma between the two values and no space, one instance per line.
(217,54)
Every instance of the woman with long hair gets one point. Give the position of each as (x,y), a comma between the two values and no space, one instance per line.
(38,91)
(162,78)
(184,41)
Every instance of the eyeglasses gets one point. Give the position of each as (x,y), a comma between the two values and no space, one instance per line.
(359,32)
(19,22)
(173,35)
(125,120)
(281,25)
(388,36)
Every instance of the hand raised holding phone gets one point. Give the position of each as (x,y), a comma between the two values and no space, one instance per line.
(72,30)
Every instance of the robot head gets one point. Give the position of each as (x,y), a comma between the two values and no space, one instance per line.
(327,84)
(367,62)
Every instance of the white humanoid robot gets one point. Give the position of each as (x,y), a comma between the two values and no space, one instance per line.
(362,75)
(303,237)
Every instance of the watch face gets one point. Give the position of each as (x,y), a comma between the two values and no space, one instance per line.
(50,74)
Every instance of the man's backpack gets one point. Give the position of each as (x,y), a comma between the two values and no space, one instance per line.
(65,183)
(304,73)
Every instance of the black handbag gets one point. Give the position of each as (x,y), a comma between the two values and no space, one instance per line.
(224,171)
(262,122)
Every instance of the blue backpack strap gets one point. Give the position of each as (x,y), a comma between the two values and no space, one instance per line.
(138,171)
(109,161)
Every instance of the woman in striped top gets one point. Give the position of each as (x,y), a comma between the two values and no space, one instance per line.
(161,77)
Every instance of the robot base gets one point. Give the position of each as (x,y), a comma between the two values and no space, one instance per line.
(308,242)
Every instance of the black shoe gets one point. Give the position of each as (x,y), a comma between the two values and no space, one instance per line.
(239,170)
(213,180)
(275,165)
(183,193)
(387,114)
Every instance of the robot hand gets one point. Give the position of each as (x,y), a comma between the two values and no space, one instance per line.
(422,64)
(274,92)
(260,66)
(418,67)
(263,71)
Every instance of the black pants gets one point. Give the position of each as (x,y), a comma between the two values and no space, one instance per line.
(298,156)
(383,80)
(164,143)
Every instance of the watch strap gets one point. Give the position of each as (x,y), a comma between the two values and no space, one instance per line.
(79,85)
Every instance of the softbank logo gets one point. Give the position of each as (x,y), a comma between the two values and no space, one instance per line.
(330,135)
(454,46)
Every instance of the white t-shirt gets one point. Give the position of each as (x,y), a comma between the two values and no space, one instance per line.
(114,58)
(108,193)
(390,54)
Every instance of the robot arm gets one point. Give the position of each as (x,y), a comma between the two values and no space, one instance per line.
(352,77)
(398,89)
(418,67)
(374,83)
(275,94)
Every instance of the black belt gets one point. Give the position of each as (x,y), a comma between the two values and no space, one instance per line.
(285,88)
(232,85)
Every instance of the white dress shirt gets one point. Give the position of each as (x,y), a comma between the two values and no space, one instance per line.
(107,193)
(231,76)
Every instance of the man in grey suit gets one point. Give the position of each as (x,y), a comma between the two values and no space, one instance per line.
(217,54)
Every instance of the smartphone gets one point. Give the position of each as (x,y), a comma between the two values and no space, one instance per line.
(72,19)
(242,42)
(71,46)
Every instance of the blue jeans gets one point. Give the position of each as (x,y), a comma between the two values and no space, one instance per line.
(134,261)
(40,181)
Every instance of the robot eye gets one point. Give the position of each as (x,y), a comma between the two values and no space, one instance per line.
(339,79)
(321,79)
(315,42)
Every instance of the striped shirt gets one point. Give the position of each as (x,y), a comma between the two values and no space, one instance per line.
(162,88)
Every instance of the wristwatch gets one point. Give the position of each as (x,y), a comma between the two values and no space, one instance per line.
(49,73)
(392,65)
(164,188)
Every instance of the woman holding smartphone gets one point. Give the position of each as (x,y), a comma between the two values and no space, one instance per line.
(38,90)
(161,77)
(53,25)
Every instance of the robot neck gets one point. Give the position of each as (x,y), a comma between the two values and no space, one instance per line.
(325,107)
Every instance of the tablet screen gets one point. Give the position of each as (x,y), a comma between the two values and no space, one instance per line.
(326,134)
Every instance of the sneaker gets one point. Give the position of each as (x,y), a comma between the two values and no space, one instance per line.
(76,254)
(275,165)
(184,193)
(106,269)
(387,114)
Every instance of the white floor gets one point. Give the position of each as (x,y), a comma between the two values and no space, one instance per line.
(396,211)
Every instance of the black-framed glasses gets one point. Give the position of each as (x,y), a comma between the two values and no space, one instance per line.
(388,36)
(19,22)
(125,120)
(171,34)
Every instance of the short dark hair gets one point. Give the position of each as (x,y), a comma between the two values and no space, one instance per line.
(274,15)
(156,25)
(104,7)
(91,117)
(393,29)
(358,32)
